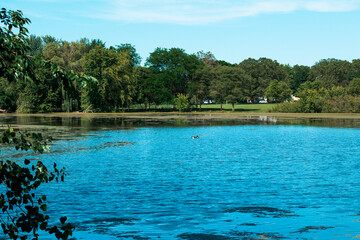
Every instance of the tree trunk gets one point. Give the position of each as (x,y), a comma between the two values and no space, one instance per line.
(233,107)
(200,107)
(69,102)
(221,106)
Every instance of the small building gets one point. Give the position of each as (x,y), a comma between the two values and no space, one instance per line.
(294,98)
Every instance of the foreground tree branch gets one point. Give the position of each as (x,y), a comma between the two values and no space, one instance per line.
(22,212)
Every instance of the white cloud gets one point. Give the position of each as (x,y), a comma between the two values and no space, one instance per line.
(331,6)
(195,12)
(44,16)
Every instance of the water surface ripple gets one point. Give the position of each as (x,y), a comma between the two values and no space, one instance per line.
(233,182)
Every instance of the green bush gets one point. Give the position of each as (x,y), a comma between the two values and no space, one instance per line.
(342,104)
(28,101)
(287,107)
(332,100)
(181,102)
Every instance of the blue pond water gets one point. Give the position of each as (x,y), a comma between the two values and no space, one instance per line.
(234,182)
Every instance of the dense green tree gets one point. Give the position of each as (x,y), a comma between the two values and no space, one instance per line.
(91,44)
(95,63)
(36,46)
(262,72)
(207,58)
(97,43)
(229,84)
(69,55)
(218,88)
(356,68)
(200,86)
(49,39)
(224,63)
(236,80)
(278,91)
(43,94)
(116,84)
(300,75)
(289,74)
(354,87)
(51,52)
(9,92)
(331,72)
(119,83)
(157,88)
(143,96)
(130,50)
(173,67)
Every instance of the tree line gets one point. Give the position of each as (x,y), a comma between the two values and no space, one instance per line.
(113,80)
(42,74)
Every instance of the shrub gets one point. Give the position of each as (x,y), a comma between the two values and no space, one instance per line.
(182,102)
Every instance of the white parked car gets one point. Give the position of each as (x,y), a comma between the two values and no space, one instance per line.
(263,100)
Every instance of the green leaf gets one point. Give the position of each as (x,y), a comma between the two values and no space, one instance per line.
(43,225)
(63,220)
(43,207)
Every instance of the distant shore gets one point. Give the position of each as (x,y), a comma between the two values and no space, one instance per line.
(191,115)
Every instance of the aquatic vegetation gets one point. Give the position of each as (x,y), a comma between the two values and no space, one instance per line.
(203,236)
(309,228)
(258,211)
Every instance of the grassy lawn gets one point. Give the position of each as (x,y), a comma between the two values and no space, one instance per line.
(246,108)
(250,108)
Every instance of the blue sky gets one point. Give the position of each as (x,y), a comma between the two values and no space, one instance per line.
(289,31)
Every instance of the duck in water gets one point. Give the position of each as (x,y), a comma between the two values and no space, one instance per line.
(195,137)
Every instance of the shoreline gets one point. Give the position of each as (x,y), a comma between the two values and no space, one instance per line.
(188,115)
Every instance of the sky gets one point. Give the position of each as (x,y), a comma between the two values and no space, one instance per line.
(289,31)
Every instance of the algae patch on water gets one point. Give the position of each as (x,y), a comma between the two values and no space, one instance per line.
(263,211)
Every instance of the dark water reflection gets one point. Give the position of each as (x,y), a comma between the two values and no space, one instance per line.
(94,122)
(251,178)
